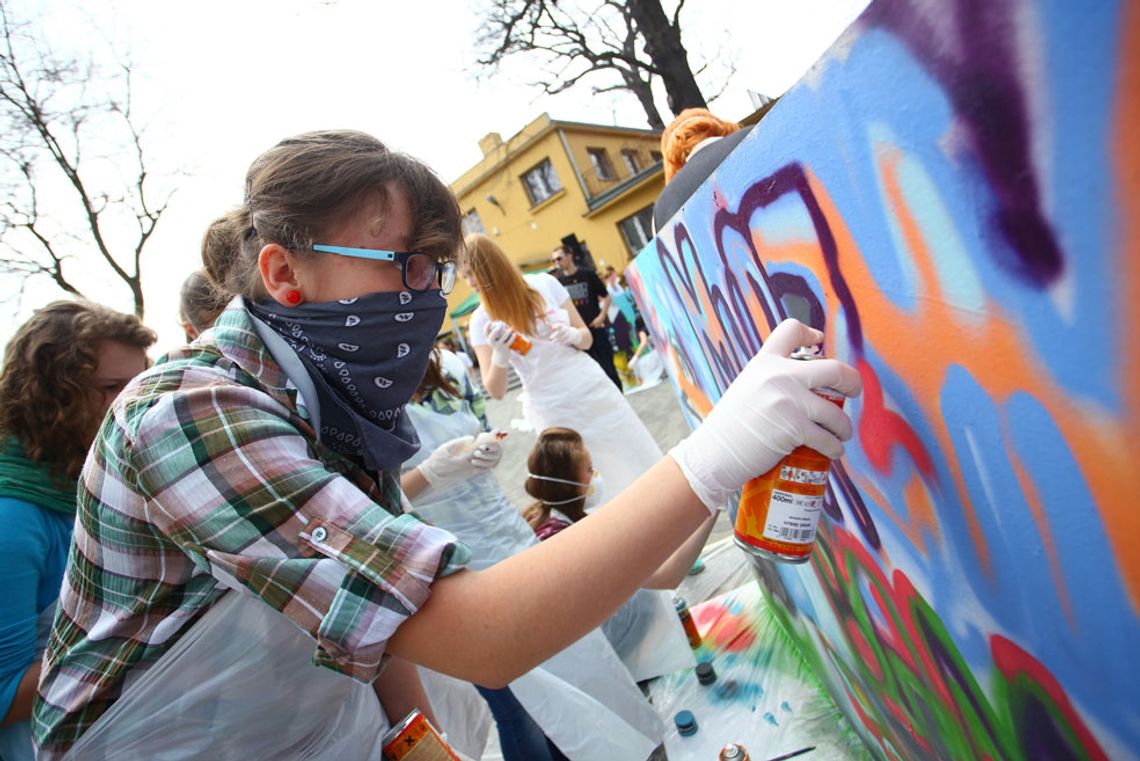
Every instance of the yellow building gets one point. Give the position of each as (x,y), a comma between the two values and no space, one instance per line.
(588,185)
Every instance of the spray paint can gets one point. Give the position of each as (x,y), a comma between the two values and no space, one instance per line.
(687,622)
(521,344)
(733,752)
(779,511)
(415,739)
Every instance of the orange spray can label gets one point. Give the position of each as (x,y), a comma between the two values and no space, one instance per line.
(521,344)
(415,739)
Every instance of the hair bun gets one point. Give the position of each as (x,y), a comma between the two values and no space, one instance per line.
(221,247)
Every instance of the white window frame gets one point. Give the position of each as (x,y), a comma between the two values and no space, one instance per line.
(541,182)
(631,161)
(603,167)
(473,223)
(642,223)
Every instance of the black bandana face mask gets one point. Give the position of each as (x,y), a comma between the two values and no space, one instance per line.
(366,357)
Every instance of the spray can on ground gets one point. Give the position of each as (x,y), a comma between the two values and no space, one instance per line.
(687,622)
(415,739)
(779,511)
(521,344)
(733,752)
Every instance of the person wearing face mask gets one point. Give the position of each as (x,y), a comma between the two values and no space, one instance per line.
(61,370)
(563,386)
(239,514)
(645,631)
(587,678)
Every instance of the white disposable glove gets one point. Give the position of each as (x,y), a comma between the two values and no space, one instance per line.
(451,461)
(500,335)
(568,335)
(768,411)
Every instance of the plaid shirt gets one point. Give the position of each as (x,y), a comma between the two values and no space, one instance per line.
(205,476)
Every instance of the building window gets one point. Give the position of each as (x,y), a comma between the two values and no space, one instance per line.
(657,157)
(603,169)
(472,223)
(638,229)
(631,161)
(541,182)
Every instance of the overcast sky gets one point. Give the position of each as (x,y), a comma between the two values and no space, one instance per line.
(219,82)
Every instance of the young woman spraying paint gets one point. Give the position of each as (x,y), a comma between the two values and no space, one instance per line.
(563,385)
(211,503)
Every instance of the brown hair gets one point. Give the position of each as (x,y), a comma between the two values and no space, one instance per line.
(502,289)
(297,191)
(558,453)
(199,302)
(684,133)
(46,383)
(435,379)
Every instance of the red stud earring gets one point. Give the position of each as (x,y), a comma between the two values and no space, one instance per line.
(293,297)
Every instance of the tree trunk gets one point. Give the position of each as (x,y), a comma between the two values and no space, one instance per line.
(641,88)
(663,45)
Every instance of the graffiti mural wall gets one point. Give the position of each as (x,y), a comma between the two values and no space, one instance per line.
(953,195)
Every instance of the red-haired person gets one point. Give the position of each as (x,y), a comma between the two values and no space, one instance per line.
(693,145)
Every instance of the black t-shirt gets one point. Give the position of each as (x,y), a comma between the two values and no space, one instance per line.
(585,289)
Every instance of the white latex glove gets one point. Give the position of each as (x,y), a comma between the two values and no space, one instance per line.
(500,335)
(451,461)
(768,411)
(569,335)
(487,451)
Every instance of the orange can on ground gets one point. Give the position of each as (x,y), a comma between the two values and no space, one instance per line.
(687,623)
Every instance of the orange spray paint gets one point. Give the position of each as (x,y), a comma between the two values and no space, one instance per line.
(779,510)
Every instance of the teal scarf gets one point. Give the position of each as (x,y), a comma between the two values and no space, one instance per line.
(22,478)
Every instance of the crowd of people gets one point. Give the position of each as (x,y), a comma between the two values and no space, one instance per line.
(279,538)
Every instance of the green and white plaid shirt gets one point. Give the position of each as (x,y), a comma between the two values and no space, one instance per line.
(205,476)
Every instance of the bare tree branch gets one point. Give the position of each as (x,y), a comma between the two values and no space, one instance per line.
(57,117)
(633,39)
(677,16)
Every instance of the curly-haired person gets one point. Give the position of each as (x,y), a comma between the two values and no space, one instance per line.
(62,369)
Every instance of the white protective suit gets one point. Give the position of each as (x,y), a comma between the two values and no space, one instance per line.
(253,692)
(564,387)
(584,698)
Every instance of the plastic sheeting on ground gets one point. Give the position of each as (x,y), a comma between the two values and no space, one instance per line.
(765,697)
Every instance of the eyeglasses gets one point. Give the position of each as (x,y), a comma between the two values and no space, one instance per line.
(419,271)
